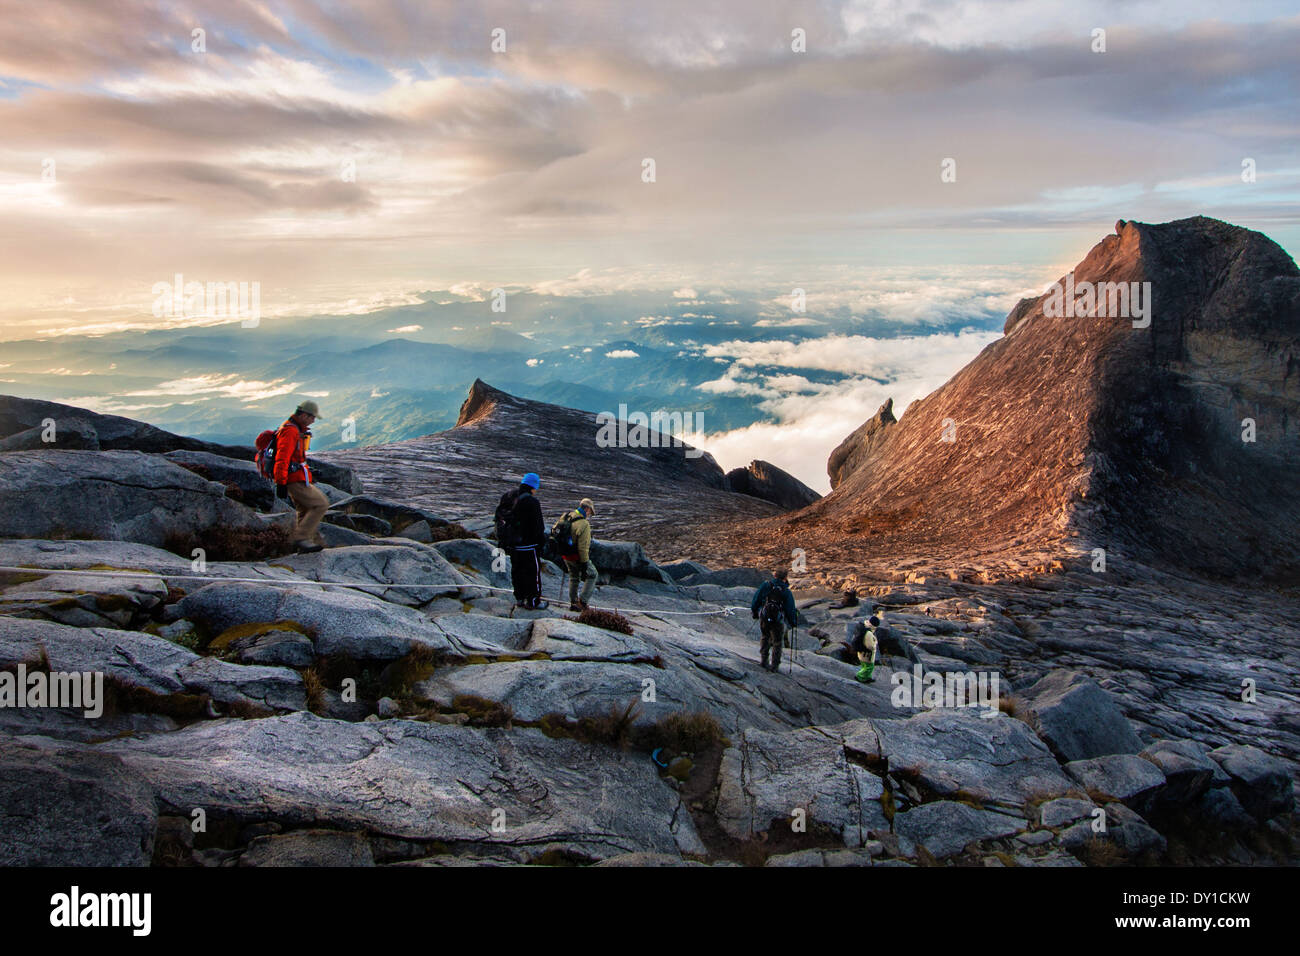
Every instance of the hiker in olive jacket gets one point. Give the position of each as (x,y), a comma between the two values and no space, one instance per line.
(773,606)
(579,564)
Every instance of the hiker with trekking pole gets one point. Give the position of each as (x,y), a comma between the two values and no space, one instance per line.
(773,607)
(571,542)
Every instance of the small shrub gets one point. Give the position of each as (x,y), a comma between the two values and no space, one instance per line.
(315,689)
(682,732)
(612,729)
(483,712)
(609,620)
(404,673)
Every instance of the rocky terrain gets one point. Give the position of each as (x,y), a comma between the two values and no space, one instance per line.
(383,703)
(1078,432)
(649,494)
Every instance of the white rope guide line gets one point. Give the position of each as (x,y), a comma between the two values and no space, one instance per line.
(729,611)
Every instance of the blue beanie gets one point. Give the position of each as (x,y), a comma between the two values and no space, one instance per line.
(531,480)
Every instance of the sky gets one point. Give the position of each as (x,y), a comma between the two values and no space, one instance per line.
(347,156)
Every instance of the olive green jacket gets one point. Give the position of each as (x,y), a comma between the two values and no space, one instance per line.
(581,529)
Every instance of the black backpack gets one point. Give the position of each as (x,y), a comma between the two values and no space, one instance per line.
(508,536)
(561,542)
(773,608)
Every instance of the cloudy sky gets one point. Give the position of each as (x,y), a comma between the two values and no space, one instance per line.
(353,153)
(349,156)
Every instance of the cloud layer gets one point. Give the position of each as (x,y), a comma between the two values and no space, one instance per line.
(375,146)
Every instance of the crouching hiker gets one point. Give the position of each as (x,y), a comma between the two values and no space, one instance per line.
(866,640)
(293,477)
(862,643)
(521,533)
(572,535)
(773,607)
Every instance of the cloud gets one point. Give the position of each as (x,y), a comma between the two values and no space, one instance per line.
(622,354)
(811,418)
(406,329)
(460,156)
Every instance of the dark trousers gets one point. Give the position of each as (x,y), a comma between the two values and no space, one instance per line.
(773,635)
(526,574)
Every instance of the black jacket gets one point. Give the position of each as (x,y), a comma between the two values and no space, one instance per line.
(528,520)
(786,599)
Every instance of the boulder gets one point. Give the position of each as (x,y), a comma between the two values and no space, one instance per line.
(409,576)
(1187,767)
(112,432)
(768,780)
(1261,782)
(1125,830)
(69,434)
(339,621)
(339,476)
(366,524)
(1063,810)
(337,536)
(762,479)
(273,688)
(242,480)
(562,640)
(398,516)
(1124,777)
(66,806)
(680,569)
(950,752)
(945,827)
(477,556)
(1078,719)
(485,633)
(283,648)
(619,558)
(91,556)
(113,495)
(417,782)
(309,848)
(140,661)
(129,658)
(84,600)
(1220,807)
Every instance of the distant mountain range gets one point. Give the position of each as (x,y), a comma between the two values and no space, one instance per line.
(402,372)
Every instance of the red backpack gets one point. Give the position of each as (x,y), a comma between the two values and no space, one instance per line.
(265,456)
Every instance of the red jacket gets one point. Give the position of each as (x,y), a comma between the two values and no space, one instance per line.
(291,445)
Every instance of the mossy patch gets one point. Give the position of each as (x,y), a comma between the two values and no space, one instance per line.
(253,629)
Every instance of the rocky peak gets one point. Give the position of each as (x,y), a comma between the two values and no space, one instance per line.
(1169,437)
(646,488)
(858,447)
(762,479)
(481,401)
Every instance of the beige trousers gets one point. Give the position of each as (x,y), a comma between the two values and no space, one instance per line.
(312,505)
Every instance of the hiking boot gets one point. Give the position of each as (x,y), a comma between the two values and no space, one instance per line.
(575,606)
(539,605)
(307,547)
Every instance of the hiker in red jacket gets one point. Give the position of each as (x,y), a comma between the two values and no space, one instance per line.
(293,477)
